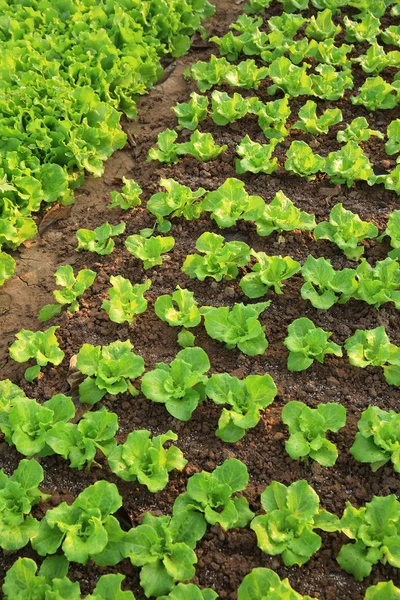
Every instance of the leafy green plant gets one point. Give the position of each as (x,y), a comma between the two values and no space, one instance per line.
(326,52)
(322,26)
(208,73)
(201,146)
(333,5)
(364,30)
(128,197)
(256,158)
(376,59)
(308,427)
(245,75)
(227,109)
(269,271)
(324,286)
(73,286)
(357,131)
(272,116)
(229,45)
(177,201)
(372,347)
(179,309)
(190,113)
(18,493)
(309,121)
(265,583)
(391,181)
(289,78)
(86,528)
(375,528)
(9,395)
(109,369)
(287,25)
(238,326)
(282,215)
(79,442)
(211,494)
(287,528)
(391,35)
(42,346)
(348,165)
(384,590)
(378,438)
(346,230)
(145,459)
(126,300)
(100,239)
(291,6)
(183,591)
(230,202)
(149,250)
(392,145)
(255,6)
(186,339)
(7,267)
(166,150)
(393,232)
(302,161)
(179,385)
(331,84)
(376,94)
(245,398)
(307,343)
(220,261)
(379,284)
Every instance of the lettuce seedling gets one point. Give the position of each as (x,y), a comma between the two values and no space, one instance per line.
(374,7)
(326,52)
(376,59)
(287,528)
(201,146)
(309,121)
(238,326)
(179,309)
(245,398)
(307,343)
(384,590)
(166,150)
(282,215)
(227,109)
(145,459)
(269,271)
(364,30)
(180,385)
(392,145)
(18,493)
(149,250)
(177,201)
(393,232)
(391,181)
(378,439)
(300,160)
(163,548)
(126,300)
(128,197)
(391,35)
(348,165)
(256,6)
(256,158)
(109,588)
(375,528)
(308,427)
(245,75)
(289,78)
(230,202)
(376,94)
(186,339)
(379,284)
(86,529)
(264,584)
(79,443)
(109,369)
(358,131)
(209,73)
(286,24)
(272,116)
(189,591)
(40,345)
(322,27)
(324,286)
(9,395)
(373,347)
(211,494)
(190,113)
(229,45)
(7,267)
(100,239)
(333,5)
(73,286)
(346,230)
(220,261)
(331,84)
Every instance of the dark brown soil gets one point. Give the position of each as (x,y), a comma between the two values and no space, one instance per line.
(224,558)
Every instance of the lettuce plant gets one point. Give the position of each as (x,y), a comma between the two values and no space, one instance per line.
(372,347)
(287,528)
(331,84)
(256,158)
(378,438)
(289,78)
(391,181)
(393,232)
(201,146)
(245,75)
(179,385)
(73,286)
(7,267)
(292,6)
(100,239)
(346,230)
(179,309)
(177,201)
(268,272)
(308,427)
(227,109)
(18,493)
(265,584)
(149,250)
(166,150)
(375,528)
(128,197)
(391,35)
(282,215)
(220,261)
(109,588)
(379,284)
(301,160)
(310,123)
(376,94)
(333,5)
(238,326)
(256,6)
(79,442)
(85,530)
(186,339)
(322,27)
(376,59)
(307,343)
(209,73)
(211,494)
(392,145)
(272,116)
(324,286)
(183,591)
(364,30)
(144,459)
(245,399)
(348,165)
(357,131)
(326,52)
(109,369)
(126,300)
(384,590)
(163,548)
(229,45)
(9,395)
(230,202)
(190,113)
(286,24)
(42,346)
